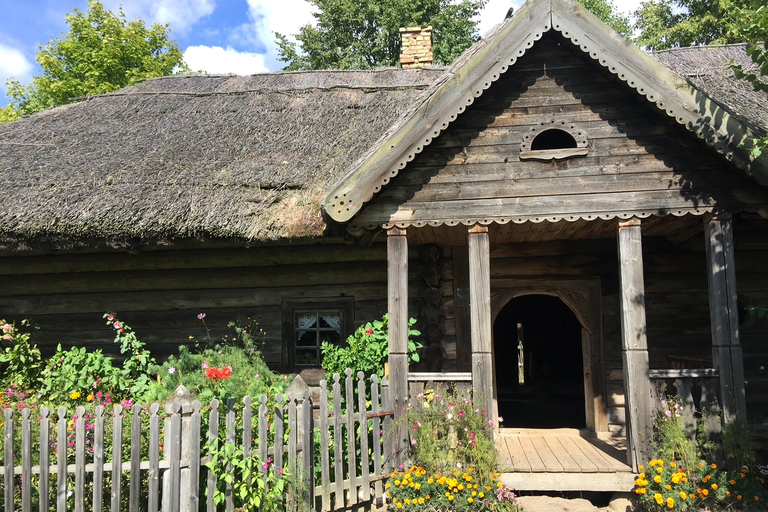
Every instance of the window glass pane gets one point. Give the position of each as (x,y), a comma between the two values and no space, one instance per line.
(330,336)
(306,339)
(330,320)
(306,320)
(306,357)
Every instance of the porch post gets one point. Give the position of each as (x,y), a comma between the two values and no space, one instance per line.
(397,290)
(724,317)
(637,386)
(480,316)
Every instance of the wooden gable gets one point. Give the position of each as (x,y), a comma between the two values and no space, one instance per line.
(632,159)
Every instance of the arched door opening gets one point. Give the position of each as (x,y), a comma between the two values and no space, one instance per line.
(539,364)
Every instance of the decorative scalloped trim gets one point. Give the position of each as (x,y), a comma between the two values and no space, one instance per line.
(633,81)
(480,86)
(679,212)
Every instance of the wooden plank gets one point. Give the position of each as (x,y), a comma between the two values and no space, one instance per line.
(634,342)
(195,422)
(349,400)
(337,444)
(376,427)
(135,474)
(551,462)
(598,482)
(325,443)
(153,477)
(26,461)
(45,460)
(532,455)
(516,453)
(8,462)
(213,436)
(173,440)
(61,466)
(567,462)
(98,460)
(480,289)
(572,448)
(80,450)
(117,458)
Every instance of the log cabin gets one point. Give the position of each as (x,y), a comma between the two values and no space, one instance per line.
(568,217)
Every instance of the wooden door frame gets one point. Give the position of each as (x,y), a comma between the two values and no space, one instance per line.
(583,298)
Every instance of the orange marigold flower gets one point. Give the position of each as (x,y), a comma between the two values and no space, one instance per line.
(714,487)
(732,482)
(713,465)
(738,497)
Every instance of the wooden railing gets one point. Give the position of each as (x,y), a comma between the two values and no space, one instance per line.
(70,453)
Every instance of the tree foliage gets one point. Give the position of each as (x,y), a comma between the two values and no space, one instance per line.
(364,34)
(666,24)
(102,52)
(605,10)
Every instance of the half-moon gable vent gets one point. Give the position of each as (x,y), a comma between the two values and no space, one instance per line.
(553,140)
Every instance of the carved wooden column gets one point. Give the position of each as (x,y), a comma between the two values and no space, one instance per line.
(480,315)
(397,291)
(637,386)
(724,315)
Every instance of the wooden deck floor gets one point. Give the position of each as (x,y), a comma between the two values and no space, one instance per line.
(562,460)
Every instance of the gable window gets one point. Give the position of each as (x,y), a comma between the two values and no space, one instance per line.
(307,324)
(552,140)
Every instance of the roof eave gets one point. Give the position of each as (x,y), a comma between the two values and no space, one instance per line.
(483,63)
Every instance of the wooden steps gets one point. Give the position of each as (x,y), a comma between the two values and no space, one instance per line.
(561,460)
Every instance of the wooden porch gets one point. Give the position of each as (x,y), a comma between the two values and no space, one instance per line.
(563,460)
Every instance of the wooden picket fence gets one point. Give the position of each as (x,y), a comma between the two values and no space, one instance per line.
(337,457)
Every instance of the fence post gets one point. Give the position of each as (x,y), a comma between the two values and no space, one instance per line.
(303,469)
(177,450)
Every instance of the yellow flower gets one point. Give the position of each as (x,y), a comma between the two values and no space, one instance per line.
(683,496)
(670,502)
(668,487)
(659,470)
(657,479)
(407,501)
(450,497)
(714,487)
(74,395)
(430,480)
(470,500)
(658,498)
(89,397)
(640,467)
(481,494)
(673,464)
(399,505)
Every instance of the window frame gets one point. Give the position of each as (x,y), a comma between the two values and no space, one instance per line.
(344,305)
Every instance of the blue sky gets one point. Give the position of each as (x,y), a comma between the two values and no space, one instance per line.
(217,36)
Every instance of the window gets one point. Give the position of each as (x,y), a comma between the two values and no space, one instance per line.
(307,324)
(552,140)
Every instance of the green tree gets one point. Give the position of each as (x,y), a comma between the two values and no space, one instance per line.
(605,10)
(671,23)
(364,34)
(102,52)
(753,27)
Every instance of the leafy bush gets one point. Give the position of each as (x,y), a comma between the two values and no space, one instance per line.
(21,360)
(232,368)
(367,350)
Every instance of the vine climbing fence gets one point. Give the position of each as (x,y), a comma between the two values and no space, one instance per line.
(149,458)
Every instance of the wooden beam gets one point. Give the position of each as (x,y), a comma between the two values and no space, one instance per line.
(724,317)
(461,308)
(637,386)
(480,314)
(397,292)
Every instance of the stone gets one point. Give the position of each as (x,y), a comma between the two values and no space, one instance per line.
(623,502)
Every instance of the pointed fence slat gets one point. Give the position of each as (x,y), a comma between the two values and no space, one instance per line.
(61,450)
(133,497)
(8,458)
(231,434)
(285,434)
(26,461)
(213,441)
(153,483)
(80,450)
(45,459)
(98,460)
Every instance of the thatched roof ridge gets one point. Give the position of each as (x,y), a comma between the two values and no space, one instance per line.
(194,157)
(706,68)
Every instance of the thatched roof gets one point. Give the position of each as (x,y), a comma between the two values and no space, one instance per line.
(706,68)
(193,157)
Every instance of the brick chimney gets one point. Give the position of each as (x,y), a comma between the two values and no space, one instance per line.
(416,48)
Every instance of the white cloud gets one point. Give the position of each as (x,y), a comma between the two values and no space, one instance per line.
(269,16)
(218,60)
(14,64)
(179,14)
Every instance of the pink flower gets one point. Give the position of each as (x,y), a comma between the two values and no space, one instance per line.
(110,317)
(501,419)
(7,328)
(127,403)
(204,366)
(413,442)
(201,316)
(116,325)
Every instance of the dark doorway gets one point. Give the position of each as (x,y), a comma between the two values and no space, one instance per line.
(539,365)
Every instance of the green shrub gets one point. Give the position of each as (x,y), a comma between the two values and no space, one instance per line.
(367,350)
(20,361)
